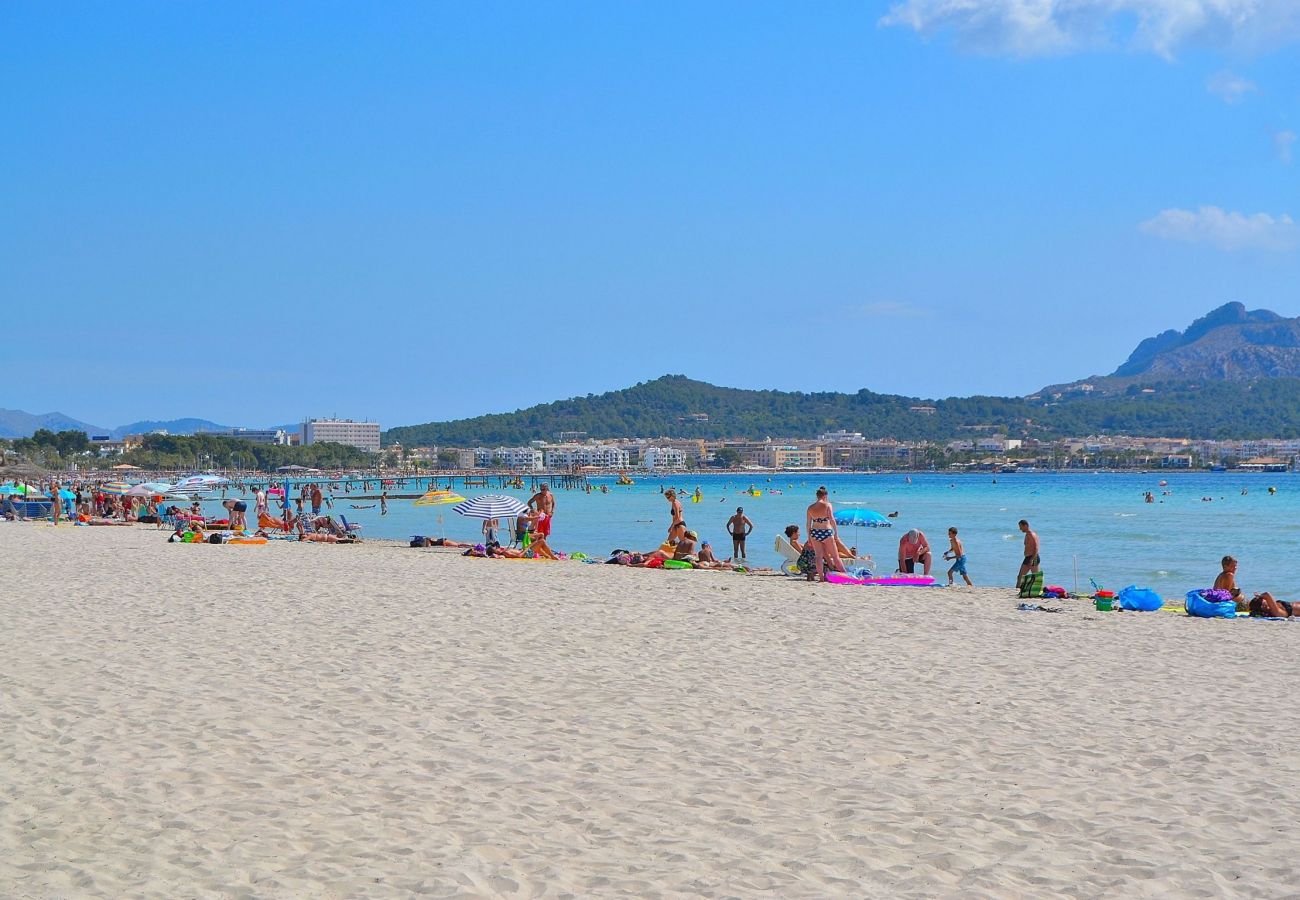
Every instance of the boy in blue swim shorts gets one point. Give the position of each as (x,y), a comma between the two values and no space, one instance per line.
(957,553)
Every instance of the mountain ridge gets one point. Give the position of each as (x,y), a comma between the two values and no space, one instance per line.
(1230,343)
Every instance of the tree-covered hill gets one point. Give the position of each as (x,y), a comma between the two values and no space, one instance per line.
(677,406)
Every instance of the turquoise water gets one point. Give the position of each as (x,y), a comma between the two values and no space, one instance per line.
(1171,545)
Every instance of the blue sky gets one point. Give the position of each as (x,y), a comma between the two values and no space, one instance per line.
(257,212)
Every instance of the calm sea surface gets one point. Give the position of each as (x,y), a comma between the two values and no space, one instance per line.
(1100,519)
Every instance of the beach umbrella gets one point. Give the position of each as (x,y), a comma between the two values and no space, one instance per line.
(23,471)
(439,498)
(861,518)
(141,490)
(14,487)
(115,488)
(65,494)
(492,506)
(199,483)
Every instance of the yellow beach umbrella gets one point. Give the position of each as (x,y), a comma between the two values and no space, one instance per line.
(439,498)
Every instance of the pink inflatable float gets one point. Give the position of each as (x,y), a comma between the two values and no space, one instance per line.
(899,580)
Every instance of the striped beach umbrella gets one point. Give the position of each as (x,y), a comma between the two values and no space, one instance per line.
(492,506)
(115,488)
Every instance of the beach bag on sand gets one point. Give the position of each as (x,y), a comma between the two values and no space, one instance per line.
(1197,605)
(1031,585)
(1140,599)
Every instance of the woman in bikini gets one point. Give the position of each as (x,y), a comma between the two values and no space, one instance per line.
(822,534)
(677,528)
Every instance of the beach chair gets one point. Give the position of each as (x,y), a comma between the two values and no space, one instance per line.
(789,555)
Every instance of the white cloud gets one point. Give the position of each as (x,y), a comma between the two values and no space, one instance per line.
(1223,229)
(1041,27)
(1228,87)
(1282,142)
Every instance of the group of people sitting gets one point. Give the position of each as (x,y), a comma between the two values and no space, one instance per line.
(1262,605)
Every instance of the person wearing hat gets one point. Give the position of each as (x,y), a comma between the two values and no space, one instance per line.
(685,548)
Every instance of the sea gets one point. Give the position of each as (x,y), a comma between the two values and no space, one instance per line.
(1096,529)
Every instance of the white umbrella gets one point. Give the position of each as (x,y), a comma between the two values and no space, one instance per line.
(492,506)
(199,483)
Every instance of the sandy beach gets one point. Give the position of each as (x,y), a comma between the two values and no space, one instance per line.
(377,721)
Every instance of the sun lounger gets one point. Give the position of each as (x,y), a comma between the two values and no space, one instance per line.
(790,556)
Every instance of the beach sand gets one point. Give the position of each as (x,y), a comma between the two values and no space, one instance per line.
(334,721)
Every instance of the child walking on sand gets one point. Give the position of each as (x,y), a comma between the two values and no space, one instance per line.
(957,553)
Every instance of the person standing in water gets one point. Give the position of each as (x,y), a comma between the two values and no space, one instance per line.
(676,521)
(739,526)
(383,503)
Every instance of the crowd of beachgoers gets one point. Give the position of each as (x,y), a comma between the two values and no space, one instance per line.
(303,513)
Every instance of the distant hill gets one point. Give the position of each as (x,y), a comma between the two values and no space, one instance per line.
(1231,343)
(14,423)
(678,406)
(171,426)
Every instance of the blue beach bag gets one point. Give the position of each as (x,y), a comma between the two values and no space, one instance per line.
(1197,605)
(1140,599)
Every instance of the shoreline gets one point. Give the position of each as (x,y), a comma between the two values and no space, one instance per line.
(373,719)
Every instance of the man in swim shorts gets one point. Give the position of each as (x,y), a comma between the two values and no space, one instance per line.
(544,502)
(739,526)
(1031,563)
(914,548)
(237,510)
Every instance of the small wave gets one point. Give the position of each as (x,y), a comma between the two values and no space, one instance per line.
(1125,515)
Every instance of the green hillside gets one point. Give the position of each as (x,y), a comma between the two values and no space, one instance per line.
(665,407)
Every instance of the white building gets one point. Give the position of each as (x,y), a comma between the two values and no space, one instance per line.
(841,437)
(520,459)
(362,435)
(997,444)
(663,458)
(575,456)
(276,436)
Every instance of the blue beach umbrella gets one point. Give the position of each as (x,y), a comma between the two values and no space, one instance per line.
(861,518)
